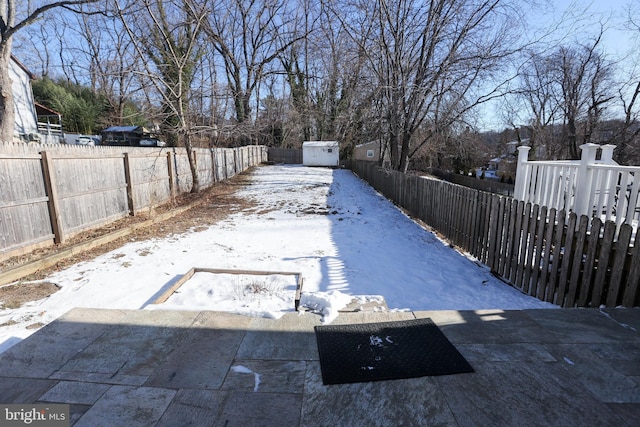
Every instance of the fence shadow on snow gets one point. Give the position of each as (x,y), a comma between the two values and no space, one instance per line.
(564,259)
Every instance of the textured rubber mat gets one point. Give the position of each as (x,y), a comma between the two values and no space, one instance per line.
(386,351)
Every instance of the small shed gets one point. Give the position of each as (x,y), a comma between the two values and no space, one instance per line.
(321,153)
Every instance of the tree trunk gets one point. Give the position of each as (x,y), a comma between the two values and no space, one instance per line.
(7,109)
(193,166)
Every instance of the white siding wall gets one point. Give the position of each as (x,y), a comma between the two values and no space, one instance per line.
(26,120)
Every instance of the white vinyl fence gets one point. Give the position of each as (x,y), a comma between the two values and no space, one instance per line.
(595,188)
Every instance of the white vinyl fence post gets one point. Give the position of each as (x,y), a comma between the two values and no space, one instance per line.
(583,180)
(607,154)
(522,173)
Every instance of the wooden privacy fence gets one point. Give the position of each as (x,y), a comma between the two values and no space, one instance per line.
(48,193)
(488,185)
(564,259)
(285,155)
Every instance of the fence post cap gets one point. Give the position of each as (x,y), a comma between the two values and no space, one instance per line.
(589,146)
(589,151)
(523,153)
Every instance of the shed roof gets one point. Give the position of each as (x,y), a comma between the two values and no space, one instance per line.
(320,144)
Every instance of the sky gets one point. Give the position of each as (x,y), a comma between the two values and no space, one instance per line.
(350,244)
(566,22)
(612,13)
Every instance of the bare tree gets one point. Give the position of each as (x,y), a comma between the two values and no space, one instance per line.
(429,59)
(249,37)
(627,138)
(165,34)
(583,74)
(8,28)
(109,64)
(537,103)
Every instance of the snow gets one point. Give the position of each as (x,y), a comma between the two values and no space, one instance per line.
(346,240)
(267,296)
(244,370)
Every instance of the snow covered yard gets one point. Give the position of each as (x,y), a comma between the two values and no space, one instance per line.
(345,239)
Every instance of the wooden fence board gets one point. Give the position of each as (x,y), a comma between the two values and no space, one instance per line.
(474,224)
(470,220)
(504,239)
(539,248)
(587,275)
(510,238)
(517,234)
(493,231)
(630,295)
(51,186)
(564,258)
(617,270)
(530,244)
(486,224)
(545,266)
(458,211)
(522,246)
(577,262)
(603,265)
(499,233)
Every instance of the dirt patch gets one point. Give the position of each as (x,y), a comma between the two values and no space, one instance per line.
(206,208)
(13,296)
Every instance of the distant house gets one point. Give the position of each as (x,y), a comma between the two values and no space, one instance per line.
(49,124)
(321,153)
(505,165)
(26,126)
(370,151)
(124,135)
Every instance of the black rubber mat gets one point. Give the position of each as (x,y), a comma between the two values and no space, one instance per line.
(386,351)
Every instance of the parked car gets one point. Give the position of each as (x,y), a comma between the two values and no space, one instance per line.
(152,142)
(84,140)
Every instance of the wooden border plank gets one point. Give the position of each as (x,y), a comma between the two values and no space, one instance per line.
(189,274)
(166,294)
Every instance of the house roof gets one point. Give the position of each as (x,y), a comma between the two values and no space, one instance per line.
(135,129)
(41,110)
(23,67)
(368,143)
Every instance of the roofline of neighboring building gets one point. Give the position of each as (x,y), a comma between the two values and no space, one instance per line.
(38,105)
(23,67)
(369,143)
